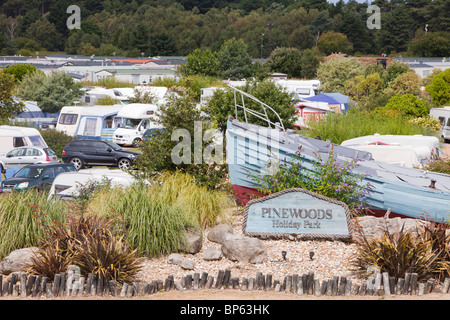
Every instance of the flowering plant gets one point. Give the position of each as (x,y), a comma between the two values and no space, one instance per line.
(327,177)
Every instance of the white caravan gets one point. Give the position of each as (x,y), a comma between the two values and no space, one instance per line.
(443,115)
(12,137)
(132,121)
(300,88)
(94,122)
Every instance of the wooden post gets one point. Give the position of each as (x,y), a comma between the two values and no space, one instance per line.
(12,283)
(268,282)
(62,283)
(112,287)
(23,285)
(89,281)
(387,287)
(30,284)
(287,289)
(300,287)
(317,288)
(446,285)
(421,289)
(124,290)
(348,287)
(342,285)
(209,282)
(203,279)
(219,280)
(244,284)
(196,281)
(323,287)
(43,288)
(49,290)
(413,286)
(407,283)
(1,285)
(235,282)
(35,289)
(251,284)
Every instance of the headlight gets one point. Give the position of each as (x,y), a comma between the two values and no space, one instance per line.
(22,185)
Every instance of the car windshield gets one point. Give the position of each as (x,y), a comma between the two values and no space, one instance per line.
(130,123)
(113,145)
(29,173)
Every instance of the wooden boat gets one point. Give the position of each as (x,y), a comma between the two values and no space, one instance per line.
(405,192)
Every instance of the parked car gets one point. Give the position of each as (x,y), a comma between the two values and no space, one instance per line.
(38,176)
(27,155)
(87,152)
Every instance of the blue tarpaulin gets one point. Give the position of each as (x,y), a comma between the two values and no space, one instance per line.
(331,98)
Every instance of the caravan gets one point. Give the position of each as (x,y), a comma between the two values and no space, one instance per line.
(94,122)
(13,137)
(443,115)
(132,121)
(300,88)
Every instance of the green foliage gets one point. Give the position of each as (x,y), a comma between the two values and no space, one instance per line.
(9,107)
(423,251)
(181,116)
(20,70)
(221,105)
(234,62)
(52,92)
(341,127)
(56,140)
(294,62)
(106,101)
(335,72)
(431,44)
(327,177)
(439,88)
(442,166)
(407,105)
(203,62)
(331,41)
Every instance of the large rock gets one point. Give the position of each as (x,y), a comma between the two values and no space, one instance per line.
(244,249)
(372,227)
(218,233)
(212,253)
(194,241)
(18,260)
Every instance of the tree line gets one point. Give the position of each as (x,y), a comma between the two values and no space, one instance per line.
(178,27)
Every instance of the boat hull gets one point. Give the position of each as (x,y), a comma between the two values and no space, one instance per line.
(249,150)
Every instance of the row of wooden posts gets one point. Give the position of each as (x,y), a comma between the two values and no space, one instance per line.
(72,285)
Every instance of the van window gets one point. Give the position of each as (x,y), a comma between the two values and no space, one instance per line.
(448,122)
(442,120)
(68,118)
(18,142)
(37,141)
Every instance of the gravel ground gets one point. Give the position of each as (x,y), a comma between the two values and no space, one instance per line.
(331,258)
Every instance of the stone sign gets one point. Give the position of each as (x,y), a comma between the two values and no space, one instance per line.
(297,212)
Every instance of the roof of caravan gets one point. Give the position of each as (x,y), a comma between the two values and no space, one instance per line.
(94,110)
(7,130)
(137,110)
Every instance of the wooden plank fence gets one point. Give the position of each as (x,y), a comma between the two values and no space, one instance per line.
(70,285)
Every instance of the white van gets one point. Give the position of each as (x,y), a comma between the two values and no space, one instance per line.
(88,122)
(443,115)
(300,88)
(12,137)
(132,121)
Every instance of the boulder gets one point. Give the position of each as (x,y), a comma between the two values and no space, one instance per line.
(175,258)
(217,234)
(194,241)
(188,264)
(244,249)
(18,260)
(373,227)
(212,253)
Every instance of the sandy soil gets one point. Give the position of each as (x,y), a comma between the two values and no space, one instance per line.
(446,148)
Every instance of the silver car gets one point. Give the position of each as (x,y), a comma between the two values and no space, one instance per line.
(27,155)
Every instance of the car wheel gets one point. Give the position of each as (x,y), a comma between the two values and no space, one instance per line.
(124,164)
(77,163)
(137,143)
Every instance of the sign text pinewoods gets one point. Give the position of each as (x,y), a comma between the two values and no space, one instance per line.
(297,212)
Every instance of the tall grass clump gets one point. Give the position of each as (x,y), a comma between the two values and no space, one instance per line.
(18,212)
(203,205)
(153,226)
(355,123)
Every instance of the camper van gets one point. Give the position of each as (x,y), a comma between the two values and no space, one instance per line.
(443,115)
(96,122)
(12,137)
(132,121)
(300,88)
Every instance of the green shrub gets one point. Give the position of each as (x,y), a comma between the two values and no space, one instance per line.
(56,140)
